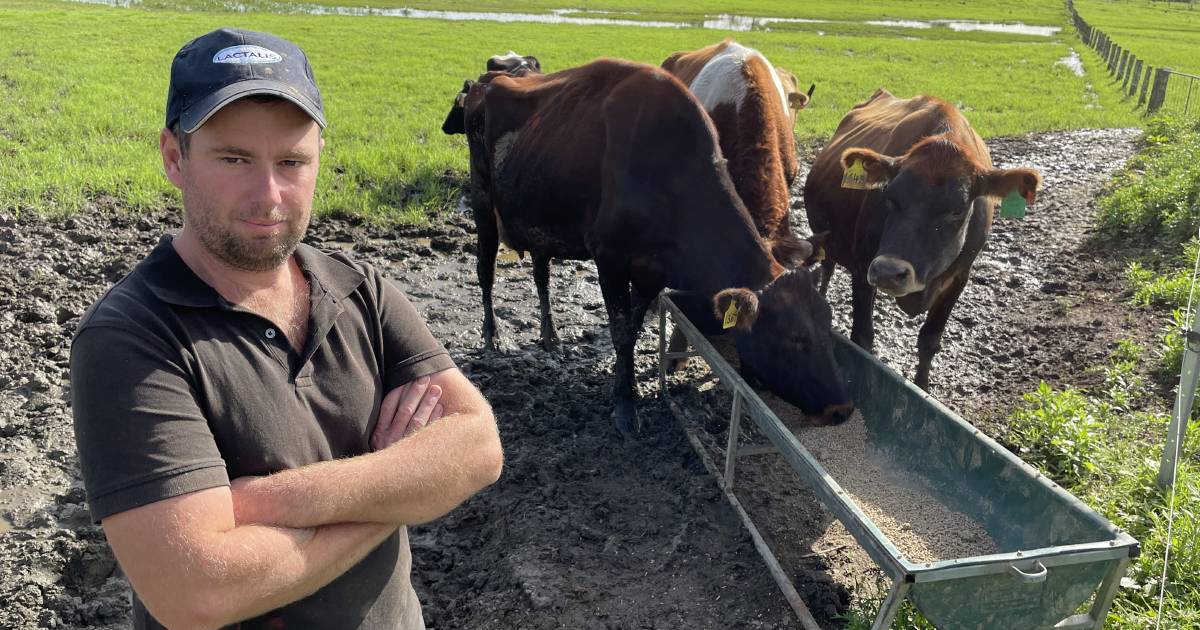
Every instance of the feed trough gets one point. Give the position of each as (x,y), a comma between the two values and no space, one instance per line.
(1018,551)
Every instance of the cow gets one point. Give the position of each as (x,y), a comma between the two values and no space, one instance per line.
(515,65)
(753,106)
(617,162)
(914,212)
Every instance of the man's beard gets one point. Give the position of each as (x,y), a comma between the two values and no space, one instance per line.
(242,252)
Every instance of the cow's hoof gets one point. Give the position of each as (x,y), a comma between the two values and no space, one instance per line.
(495,346)
(550,343)
(625,419)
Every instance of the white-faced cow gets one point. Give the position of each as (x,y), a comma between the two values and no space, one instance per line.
(917,214)
(617,162)
(753,106)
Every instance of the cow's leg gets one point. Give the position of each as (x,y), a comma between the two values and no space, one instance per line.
(929,340)
(485,269)
(862,331)
(827,269)
(541,277)
(614,285)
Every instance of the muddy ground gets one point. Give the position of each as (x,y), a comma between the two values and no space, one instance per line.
(584,529)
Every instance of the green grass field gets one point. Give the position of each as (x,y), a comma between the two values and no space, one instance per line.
(1164,34)
(83,90)
(1027,11)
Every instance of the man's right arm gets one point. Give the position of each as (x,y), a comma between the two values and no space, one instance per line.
(193,567)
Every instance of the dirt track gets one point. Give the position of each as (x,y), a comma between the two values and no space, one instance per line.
(584,530)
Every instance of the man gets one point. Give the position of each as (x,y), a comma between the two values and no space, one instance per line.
(258,421)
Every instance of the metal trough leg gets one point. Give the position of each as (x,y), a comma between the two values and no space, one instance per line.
(735,431)
(891,605)
(1108,592)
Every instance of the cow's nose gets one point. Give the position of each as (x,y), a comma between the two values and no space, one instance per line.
(891,275)
(837,414)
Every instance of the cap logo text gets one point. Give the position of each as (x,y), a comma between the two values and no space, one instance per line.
(246,54)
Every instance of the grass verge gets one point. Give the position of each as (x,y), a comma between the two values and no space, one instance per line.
(1162,33)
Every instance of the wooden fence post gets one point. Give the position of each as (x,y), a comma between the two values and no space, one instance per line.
(1121,64)
(1159,93)
(1137,77)
(1145,84)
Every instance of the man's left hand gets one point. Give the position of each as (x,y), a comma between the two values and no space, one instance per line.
(406,410)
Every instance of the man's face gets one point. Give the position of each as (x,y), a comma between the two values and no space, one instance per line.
(248,182)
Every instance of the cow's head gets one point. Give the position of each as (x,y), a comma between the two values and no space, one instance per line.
(455,121)
(797,100)
(514,64)
(785,342)
(511,64)
(930,196)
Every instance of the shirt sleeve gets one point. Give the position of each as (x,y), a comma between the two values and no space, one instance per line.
(410,351)
(140,433)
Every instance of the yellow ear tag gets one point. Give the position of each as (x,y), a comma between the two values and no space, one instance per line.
(731,314)
(855,177)
(820,254)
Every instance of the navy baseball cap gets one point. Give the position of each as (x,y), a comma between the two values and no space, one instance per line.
(220,67)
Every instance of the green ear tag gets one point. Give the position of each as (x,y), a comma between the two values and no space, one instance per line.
(1013,206)
(855,177)
(731,314)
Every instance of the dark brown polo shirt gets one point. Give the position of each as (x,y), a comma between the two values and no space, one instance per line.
(174,389)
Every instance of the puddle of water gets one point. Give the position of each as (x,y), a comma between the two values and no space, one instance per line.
(1072,62)
(723,22)
(744,23)
(1019,28)
(900,23)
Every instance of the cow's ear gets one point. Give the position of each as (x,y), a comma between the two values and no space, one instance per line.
(668,64)
(533,61)
(999,182)
(798,100)
(791,252)
(817,241)
(880,169)
(736,308)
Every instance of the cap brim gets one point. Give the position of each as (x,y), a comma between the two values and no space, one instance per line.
(199,113)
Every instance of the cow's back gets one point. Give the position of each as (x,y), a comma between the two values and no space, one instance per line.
(562,143)
(749,106)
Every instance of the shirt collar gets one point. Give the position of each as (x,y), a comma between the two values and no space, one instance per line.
(172,281)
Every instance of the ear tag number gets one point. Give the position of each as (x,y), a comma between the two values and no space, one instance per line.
(855,176)
(731,315)
(1012,206)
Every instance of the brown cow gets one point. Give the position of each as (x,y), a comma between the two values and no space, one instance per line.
(517,66)
(921,214)
(617,162)
(753,106)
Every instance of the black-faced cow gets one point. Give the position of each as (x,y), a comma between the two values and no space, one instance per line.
(618,162)
(914,212)
(515,65)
